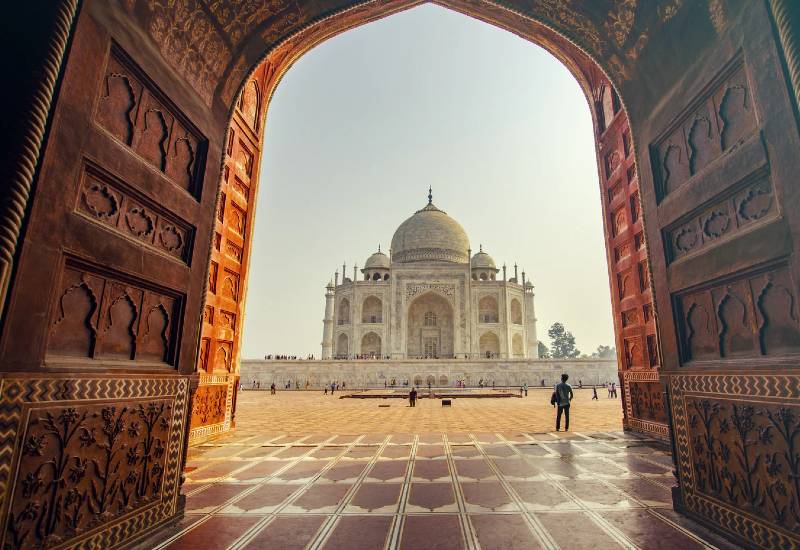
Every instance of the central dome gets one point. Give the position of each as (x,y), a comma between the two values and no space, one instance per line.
(430,235)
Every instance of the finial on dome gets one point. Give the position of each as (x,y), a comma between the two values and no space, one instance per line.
(379,248)
(480,248)
(430,194)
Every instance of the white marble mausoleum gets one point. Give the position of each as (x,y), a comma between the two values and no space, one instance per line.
(429,298)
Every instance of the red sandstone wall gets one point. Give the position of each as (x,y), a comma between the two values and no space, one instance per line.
(214,404)
(629,276)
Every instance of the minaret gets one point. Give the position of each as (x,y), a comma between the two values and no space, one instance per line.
(531,340)
(327,323)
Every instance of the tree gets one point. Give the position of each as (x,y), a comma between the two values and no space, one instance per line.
(605,352)
(562,342)
(544,353)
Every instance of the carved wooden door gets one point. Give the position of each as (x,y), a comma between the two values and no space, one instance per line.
(102,326)
(723,219)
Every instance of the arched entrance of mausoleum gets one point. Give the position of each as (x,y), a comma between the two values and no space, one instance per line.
(430,330)
(123,269)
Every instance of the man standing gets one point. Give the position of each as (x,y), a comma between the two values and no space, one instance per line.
(412,397)
(564,396)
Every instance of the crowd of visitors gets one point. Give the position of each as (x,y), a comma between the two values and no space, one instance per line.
(361,356)
(278,357)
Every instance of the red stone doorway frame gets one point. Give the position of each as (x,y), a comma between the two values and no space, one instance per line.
(626,251)
(111,263)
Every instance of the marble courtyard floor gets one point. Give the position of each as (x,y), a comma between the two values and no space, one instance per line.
(303,471)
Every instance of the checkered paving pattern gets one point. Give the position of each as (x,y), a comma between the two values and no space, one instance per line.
(488,490)
(302,412)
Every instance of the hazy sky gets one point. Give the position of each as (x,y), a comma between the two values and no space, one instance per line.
(365,122)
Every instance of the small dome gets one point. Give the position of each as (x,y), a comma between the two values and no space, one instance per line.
(379,260)
(430,235)
(483,260)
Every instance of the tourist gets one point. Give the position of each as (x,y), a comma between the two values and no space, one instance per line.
(333,387)
(412,397)
(325,390)
(525,387)
(580,384)
(594,392)
(613,389)
(563,398)
(272,389)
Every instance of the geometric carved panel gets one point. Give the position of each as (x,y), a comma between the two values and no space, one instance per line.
(99,458)
(724,119)
(135,112)
(724,219)
(749,316)
(97,316)
(107,200)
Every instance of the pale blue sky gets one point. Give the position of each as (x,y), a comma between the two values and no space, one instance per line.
(364,122)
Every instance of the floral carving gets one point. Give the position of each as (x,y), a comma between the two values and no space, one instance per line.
(647,401)
(748,456)
(414,289)
(209,404)
(76,473)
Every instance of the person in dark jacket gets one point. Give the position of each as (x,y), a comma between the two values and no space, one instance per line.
(564,396)
(412,397)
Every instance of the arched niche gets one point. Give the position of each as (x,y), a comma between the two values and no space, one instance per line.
(489,345)
(430,327)
(372,310)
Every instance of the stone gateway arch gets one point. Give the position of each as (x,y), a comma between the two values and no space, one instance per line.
(134,138)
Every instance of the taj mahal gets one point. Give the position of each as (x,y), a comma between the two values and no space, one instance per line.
(429,298)
(428,312)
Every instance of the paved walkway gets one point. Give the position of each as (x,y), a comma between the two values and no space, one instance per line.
(271,485)
(303,412)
